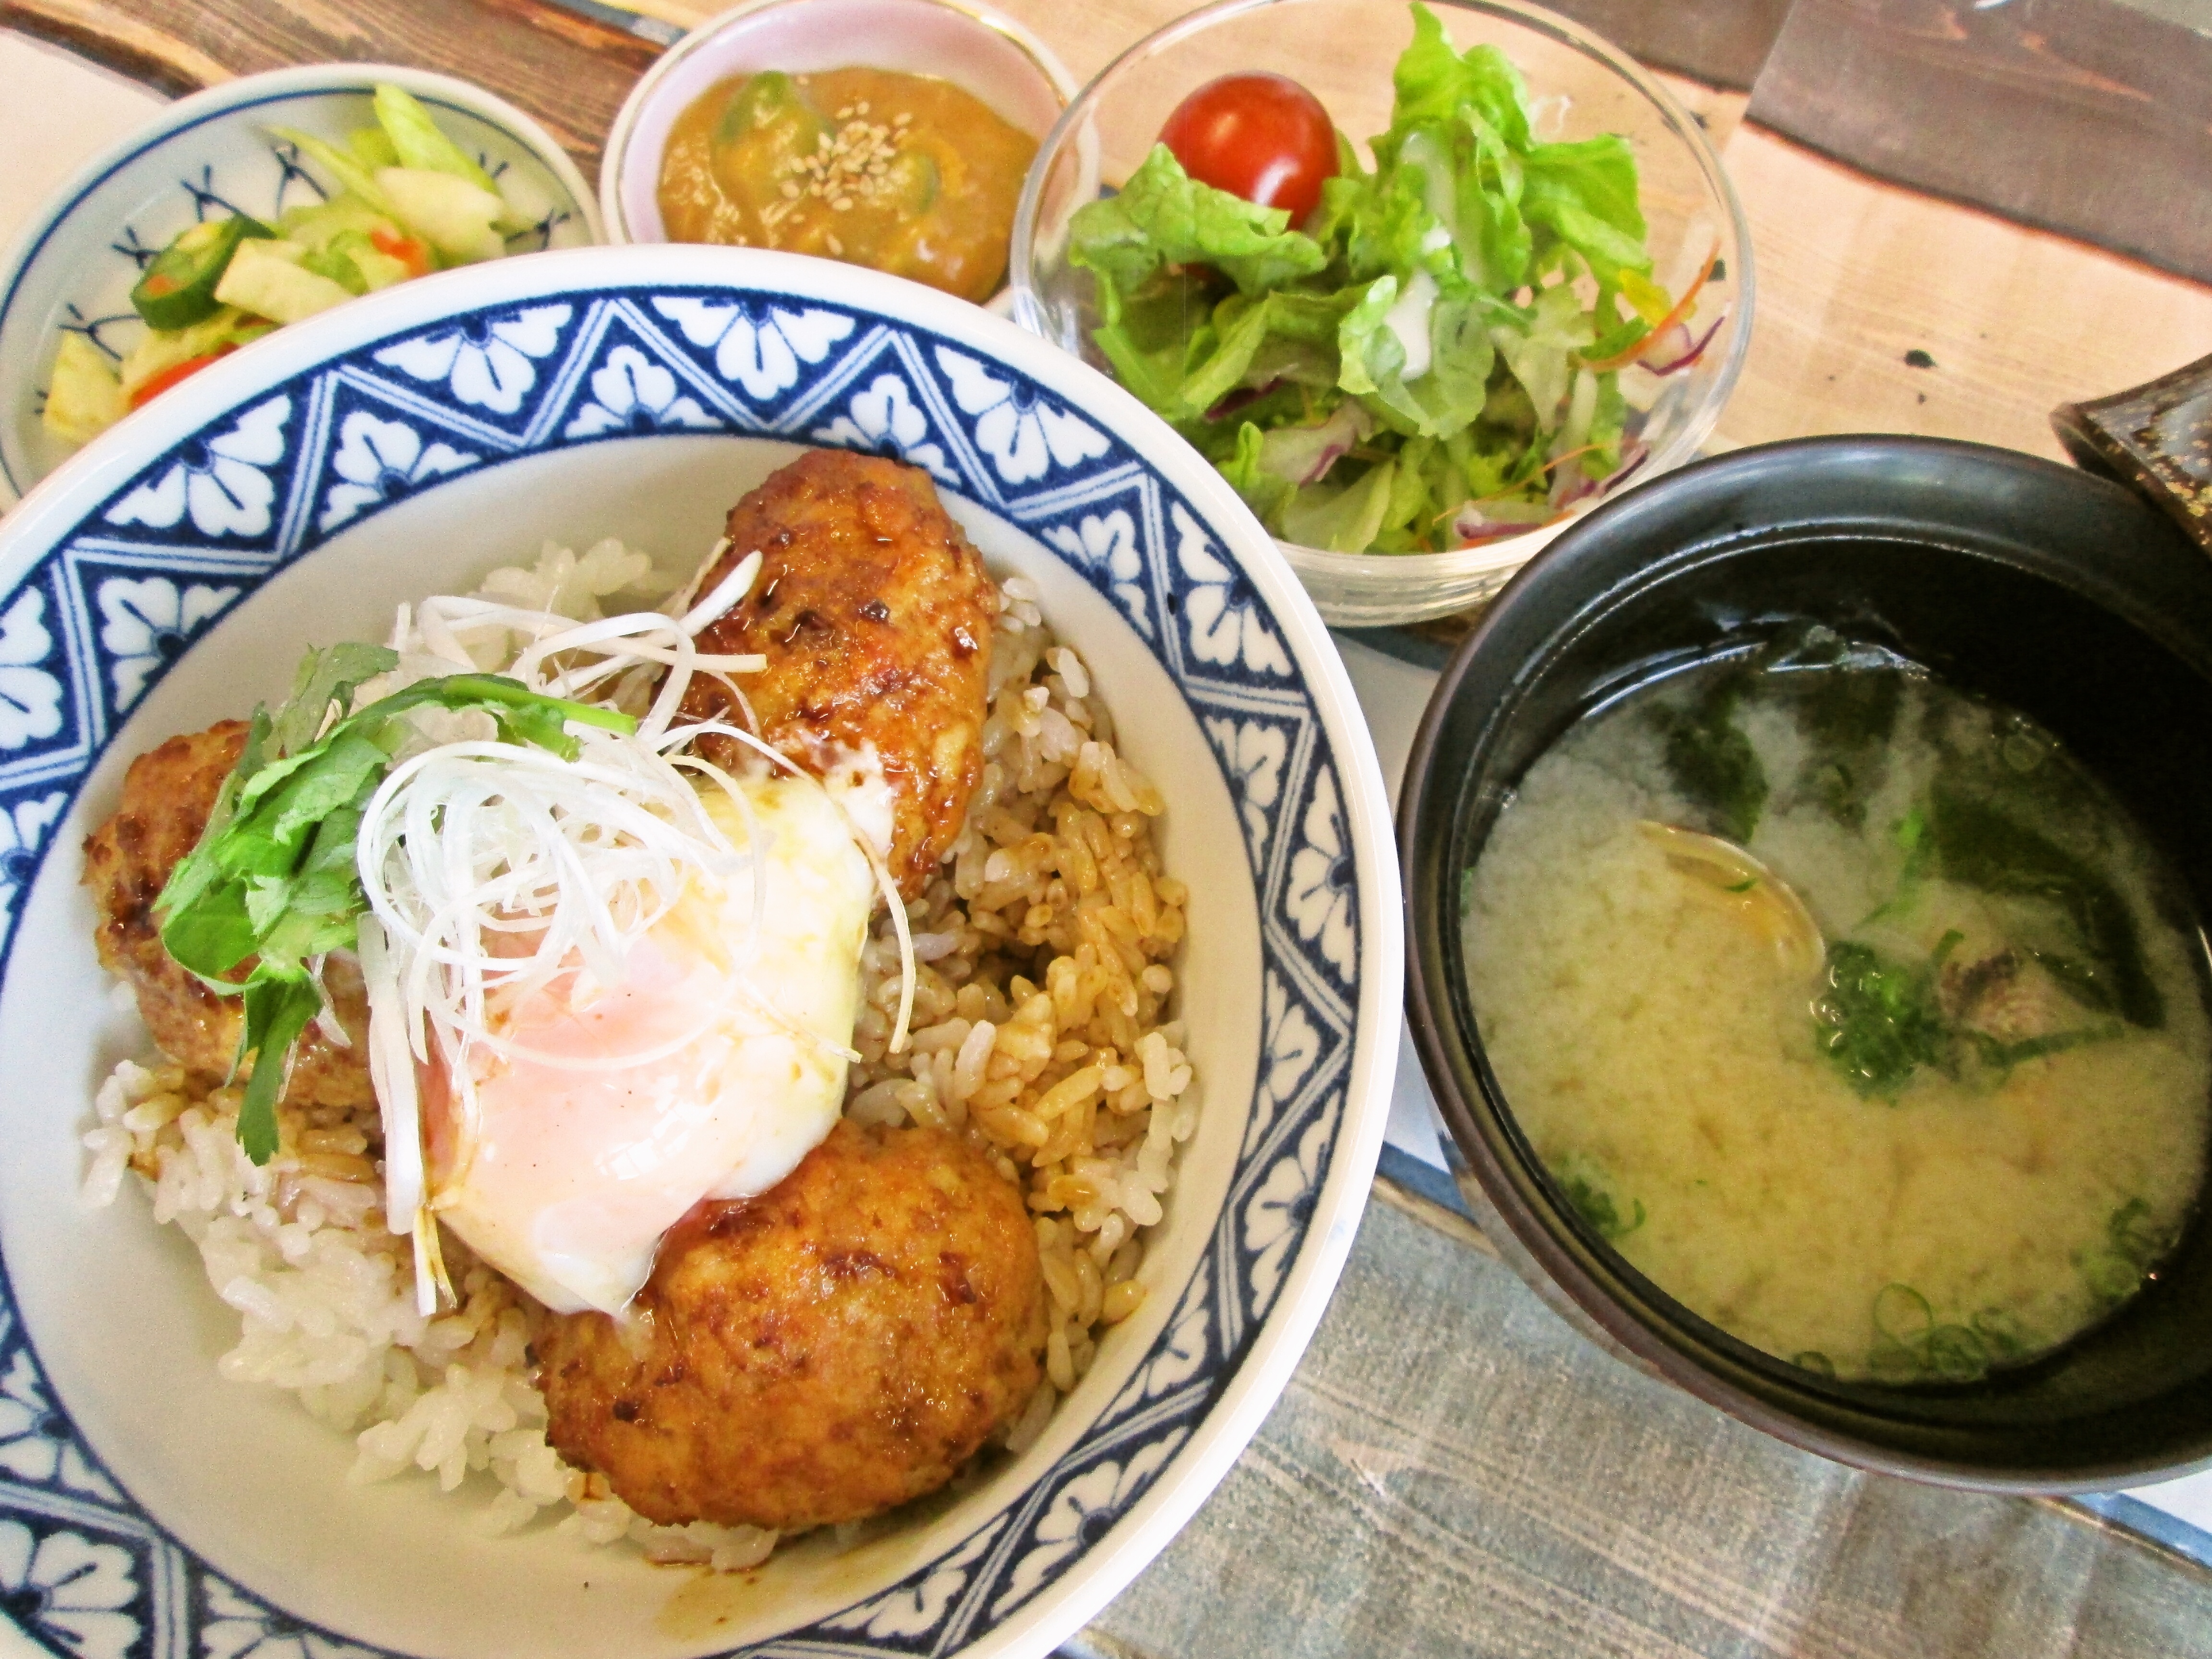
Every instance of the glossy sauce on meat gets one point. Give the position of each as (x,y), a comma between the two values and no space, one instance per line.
(874,612)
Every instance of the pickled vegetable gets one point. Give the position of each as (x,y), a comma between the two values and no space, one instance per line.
(400,200)
(179,288)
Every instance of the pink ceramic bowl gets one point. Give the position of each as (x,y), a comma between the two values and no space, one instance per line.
(979,50)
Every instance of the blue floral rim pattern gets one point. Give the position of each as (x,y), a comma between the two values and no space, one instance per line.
(102,617)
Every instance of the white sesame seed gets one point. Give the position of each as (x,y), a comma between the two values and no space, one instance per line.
(834,247)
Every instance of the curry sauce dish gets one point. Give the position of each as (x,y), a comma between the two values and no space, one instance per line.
(890,133)
(906,174)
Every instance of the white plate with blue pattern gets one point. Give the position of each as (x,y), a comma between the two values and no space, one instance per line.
(171,574)
(210,156)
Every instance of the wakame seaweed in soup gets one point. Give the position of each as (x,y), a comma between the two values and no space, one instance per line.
(1850,1008)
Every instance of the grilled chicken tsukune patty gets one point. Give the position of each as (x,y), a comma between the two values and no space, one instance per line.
(874,611)
(168,794)
(821,1353)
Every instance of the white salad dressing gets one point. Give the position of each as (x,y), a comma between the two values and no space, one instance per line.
(1409,321)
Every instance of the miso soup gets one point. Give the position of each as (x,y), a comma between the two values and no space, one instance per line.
(1852,1010)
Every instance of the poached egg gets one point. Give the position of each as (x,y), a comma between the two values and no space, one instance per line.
(706,1069)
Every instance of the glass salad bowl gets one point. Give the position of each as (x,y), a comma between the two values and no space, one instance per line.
(1655,398)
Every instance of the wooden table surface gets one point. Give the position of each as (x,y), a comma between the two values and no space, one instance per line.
(1858,278)
(1936,190)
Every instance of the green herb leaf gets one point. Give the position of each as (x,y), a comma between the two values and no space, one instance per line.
(2004,1056)
(1878,1020)
(325,683)
(1711,761)
(278,1008)
(273,878)
(1595,1206)
(1847,715)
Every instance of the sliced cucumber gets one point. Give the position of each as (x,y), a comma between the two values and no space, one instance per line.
(86,396)
(159,352)
(378,269)
(267,279)
(416,142)
(317,226)
(373,149)
(178,289)
(453,214)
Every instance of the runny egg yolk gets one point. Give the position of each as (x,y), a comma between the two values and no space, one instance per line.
(570,1173)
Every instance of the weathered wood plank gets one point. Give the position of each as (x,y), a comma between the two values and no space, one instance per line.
(569,71)
(2085,117)
(1855,275)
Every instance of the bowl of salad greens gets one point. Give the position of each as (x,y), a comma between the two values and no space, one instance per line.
(247,207)
(1423,284)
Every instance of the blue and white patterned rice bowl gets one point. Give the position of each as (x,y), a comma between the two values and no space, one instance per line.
(408,443)
(209,156)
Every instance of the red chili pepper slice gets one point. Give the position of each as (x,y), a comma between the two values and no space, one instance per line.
(168,377)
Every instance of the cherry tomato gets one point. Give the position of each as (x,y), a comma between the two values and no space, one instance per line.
(1263,138)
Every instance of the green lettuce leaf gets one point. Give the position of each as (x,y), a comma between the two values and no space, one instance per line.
(1341,518)
(1434,84)
(1450,392)
(1263,491)
(1586,195)
(1162,216)
(1539,350)
(1242,326)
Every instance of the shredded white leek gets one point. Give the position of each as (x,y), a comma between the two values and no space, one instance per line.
(496,871)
